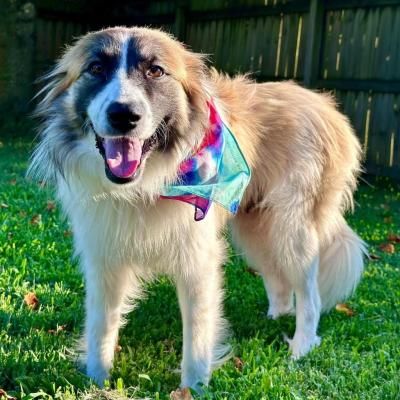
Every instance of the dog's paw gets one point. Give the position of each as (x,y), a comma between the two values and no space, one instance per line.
(198,388)
(98,375)
(300,345)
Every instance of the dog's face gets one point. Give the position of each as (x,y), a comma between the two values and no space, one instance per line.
(128,96)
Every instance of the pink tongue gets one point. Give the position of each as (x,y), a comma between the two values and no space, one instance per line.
(123,155)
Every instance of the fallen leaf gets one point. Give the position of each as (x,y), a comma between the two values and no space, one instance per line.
(344,308)
(392,237)
(5,396)
(67,233)
(4,205)
(387,248)
(118,348)
(388,220)
(181,394)
(42,184)
(169,345)
(22,214)
(51,205)
(31,300)
(12,182)
(374,257)
(252,271)
(36,219)
(238,363)
(57,330)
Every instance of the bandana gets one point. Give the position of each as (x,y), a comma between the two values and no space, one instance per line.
(216,172)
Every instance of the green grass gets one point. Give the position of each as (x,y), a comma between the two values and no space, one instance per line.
(359,357)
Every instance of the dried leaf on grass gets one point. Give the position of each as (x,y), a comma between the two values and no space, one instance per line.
(31,300)
(238,363)
(181,394)
(67,233)
(36,219)
(56,331)
(392,237)
(51,205)
(118,348)
(12,182)
(169,345)
(345,309)
(374,257)
(387,248)
(5,396)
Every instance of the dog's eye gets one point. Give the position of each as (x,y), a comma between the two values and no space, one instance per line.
(96,69)
(155,71)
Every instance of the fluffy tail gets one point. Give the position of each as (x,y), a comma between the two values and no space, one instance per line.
(341,266)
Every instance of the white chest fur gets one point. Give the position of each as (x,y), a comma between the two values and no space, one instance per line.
(158,238)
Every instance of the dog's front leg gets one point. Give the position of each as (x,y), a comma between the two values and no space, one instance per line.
(200,298)
(106,288)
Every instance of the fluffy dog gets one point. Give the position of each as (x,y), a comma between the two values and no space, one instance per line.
(122,109)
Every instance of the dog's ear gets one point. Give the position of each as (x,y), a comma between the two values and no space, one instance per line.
(60,78)
(57,82)
(195,80)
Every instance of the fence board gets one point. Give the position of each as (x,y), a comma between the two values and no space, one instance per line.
(367,43)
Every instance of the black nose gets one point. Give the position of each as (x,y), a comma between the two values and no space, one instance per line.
(121,117)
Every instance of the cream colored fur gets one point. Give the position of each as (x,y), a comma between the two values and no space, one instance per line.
(304,159)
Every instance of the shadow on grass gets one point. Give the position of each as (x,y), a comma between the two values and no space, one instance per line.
(157,317)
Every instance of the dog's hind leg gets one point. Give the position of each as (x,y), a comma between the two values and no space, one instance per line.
(279,291)
(200,299)
(251,238)
(287,259)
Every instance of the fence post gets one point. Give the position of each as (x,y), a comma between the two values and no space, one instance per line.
(180,20)
(314,42)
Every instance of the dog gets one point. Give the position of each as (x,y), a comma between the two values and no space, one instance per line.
(121,111)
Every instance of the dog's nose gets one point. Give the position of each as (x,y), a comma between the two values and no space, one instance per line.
(122,117)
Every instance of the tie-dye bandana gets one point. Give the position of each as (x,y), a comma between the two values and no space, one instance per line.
(217,172)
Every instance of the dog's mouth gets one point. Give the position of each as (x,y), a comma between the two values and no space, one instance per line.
(124,155)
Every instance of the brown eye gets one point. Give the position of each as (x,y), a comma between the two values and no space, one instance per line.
(96,68)
(155,71)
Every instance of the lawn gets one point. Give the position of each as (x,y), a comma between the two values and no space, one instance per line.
(359,357)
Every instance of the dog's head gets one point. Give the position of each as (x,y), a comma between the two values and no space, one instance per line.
(125,105)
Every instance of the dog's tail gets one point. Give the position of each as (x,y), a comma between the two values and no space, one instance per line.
(341,266)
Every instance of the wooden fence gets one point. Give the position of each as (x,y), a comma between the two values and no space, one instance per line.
(346,46)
